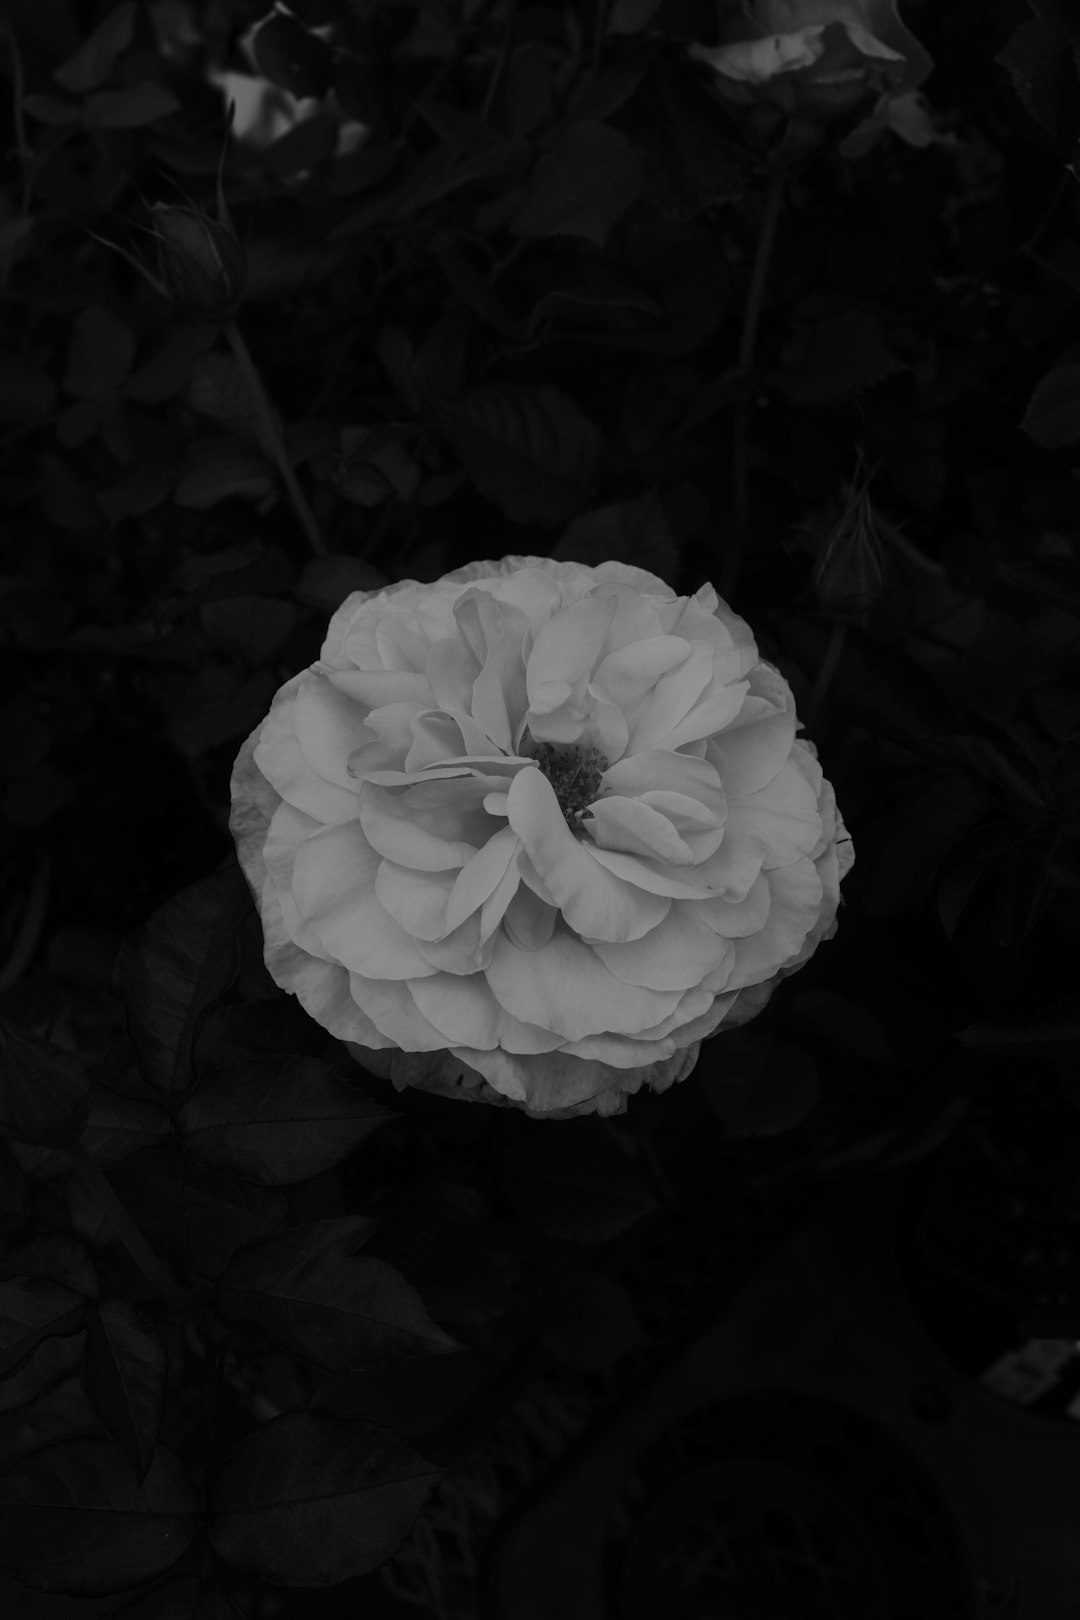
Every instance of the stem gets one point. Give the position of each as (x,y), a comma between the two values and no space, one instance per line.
(755,297)
(272,438)
(125,1229)
(833,652)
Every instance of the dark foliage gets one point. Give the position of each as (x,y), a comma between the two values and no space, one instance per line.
(464,279)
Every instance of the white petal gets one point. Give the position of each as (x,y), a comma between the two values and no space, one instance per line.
(529,921)
(796,893)
(394,828)
(784,813)
(329,727)
(567,989)
(278,755)
(565,650)
(675,955)
(638,828)
(334,889)
(594,901)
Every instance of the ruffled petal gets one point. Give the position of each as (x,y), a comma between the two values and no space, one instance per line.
(567,989)
(334,889)
(675,955)
(593,901)
(784,813)
(639,829)
(796,892)
(278,755)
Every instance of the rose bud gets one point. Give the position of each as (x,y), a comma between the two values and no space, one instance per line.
(529,834)
(200,262)
(817,59)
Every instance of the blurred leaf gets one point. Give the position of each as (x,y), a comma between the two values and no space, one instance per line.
(590,1321)
(276,1119)
(1039,57)
(173,968)
(1055,1026)
(166,373)
(442,171)
(307,144)
(125,1376)
(217,704)
(100,354)
(187,1598)
(75,1519)
(577,1184)
(334,1309)
(92,63)
(50,109)
(912,841)
(138,492)
(842,1022)
(222,466)
(528,449)
(217,388)
(635,532)
(255,627)
(286,54)
(131,108)
(460,129)
(631,16)
(27,392)
(230,1033)
(33,1309)
(327,581)
(310,1500)
(527,88)
(581,185)
(758,1086)
(247,569)
(55,1361)
(834,358)
(1052,417)
(198,1215)
(43,1089)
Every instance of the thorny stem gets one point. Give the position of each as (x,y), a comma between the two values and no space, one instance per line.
(272,438)
(125,1229)
(747,342)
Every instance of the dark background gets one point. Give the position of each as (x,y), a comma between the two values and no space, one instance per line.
(484,335)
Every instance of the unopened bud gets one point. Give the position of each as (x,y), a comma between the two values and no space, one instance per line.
(849,575)
(200,262)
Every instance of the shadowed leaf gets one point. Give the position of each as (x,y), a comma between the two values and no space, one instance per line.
(125,1376)
(309,1500)
(73,1518)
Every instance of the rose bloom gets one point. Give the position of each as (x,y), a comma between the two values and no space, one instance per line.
(819,58)
(530,833)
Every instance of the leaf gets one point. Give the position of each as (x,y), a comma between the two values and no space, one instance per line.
(131,108)
(844,1023)
(911,842)
(99,355)
(460,129)
(327,581)
(287,55)
(166,373)
(43,1090)
(1039,57)
(170,971)
(758,1086)
(581,185)
(199,1216)
(834,358)
(577,1184)
(1052,418)
(1050,1028)
(92,63)
(75,1519)
(276,1119)
(442,171)
(125,1376)
(311,1500)
(55,1361)
(54,1256)
(231,1032)
(33,1309)
(635,532)
(255,628)
(528,449)
(27,392)
(217,704)
(117,1126)
(631,16)
(336,1310)
(187,1598)
(590,1321)
(222,466)
(218,388)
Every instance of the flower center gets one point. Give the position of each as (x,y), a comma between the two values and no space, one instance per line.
(575,775)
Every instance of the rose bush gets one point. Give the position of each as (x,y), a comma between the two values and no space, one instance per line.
(815,59)
(534,831)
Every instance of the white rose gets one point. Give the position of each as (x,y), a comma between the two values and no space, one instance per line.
(534,831)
